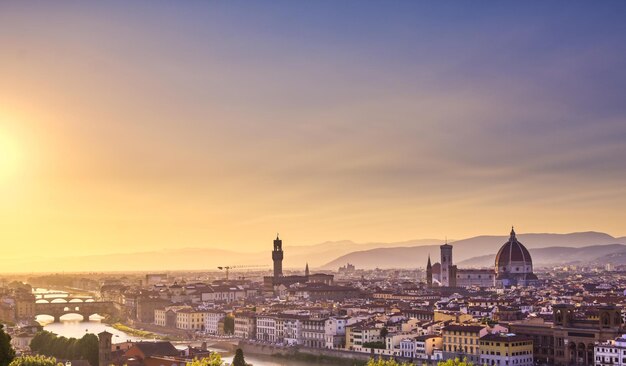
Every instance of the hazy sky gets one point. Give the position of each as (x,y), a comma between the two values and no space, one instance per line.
(136,125)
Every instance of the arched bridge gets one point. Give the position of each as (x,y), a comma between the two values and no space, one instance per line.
(86,309)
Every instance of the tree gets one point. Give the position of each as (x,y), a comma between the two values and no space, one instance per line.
(229,324)
(49,344)
(7,353)
(238,360)
(34,361)
(213,360)
(381,362)
(87,347)
(384,332)
(455,362)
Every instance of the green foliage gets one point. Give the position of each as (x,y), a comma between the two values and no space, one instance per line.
(135,332)
(35,361)
(381,362)
(455,362)
(7,353)
(450,362)
(377,345)
(49,344)
(384,332)
(238,360)
(213,360)
(229,324)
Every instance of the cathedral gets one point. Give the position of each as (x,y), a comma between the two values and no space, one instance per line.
(513,267)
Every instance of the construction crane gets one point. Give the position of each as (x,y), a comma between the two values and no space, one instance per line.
(228,268)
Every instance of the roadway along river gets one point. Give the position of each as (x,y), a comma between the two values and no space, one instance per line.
(76,328)
(72,326)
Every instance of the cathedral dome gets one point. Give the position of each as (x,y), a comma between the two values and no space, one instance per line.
(513,258)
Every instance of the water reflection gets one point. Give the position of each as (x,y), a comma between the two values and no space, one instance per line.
(72,326)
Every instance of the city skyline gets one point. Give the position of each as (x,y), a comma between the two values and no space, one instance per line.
(126,128)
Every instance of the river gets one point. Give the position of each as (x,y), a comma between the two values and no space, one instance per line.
(72,326)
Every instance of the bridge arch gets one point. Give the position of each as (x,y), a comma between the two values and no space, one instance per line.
(73,314)
(58,301)
(85,309)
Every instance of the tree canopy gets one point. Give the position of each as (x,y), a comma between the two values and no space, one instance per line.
(450,362)
(238,360)
(49,344)
(7,353)
(35,361)
(213,360)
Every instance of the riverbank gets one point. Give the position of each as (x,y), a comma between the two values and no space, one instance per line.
(137,332)
(318,355)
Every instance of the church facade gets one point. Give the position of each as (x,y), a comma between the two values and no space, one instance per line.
(513,267)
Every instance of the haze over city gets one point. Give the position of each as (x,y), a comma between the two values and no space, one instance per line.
(312,183)
(126,128)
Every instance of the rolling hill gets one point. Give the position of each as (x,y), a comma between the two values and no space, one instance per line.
(412,257)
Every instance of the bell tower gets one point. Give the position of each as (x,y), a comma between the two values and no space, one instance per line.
(104,348)
(610,316)
(563,314)
(277,257)
(429,273)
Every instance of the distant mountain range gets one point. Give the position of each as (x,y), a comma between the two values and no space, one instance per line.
(597,254)
(467,249)
(480,251)
(296,257)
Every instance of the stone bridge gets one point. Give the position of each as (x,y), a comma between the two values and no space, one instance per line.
(86,309)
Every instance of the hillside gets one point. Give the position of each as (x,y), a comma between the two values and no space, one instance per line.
(599,254)
(465,249)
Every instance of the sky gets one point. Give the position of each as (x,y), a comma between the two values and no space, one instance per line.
(134,126)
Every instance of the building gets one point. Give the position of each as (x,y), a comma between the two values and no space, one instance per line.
(506,349)
(277,257)
(167,317)
(25,306)
(462,341)
(245,325)
(421,347)
(313,332)
(429,273)
(224,294)
(571,337)
(212,321)
(475,277)
(104,348)
(446,264)
(514,266)
(191,319)
(272,283)
(358,334)
(146,305)
(335,331)
(291,330)
(266,328)
(610,353)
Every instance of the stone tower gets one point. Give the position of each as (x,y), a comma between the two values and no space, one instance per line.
(446,264)
(104,348)
(610,316)
(429,273)
(306,270)
(277,257)
(563,314)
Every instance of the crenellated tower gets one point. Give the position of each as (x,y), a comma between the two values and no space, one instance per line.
(277,257)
